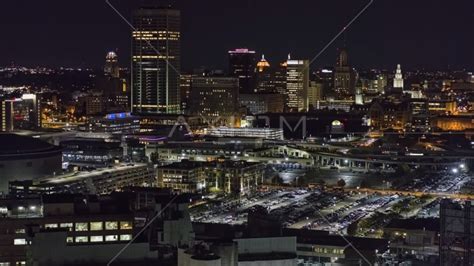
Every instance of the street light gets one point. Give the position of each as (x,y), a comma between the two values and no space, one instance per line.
(462,166)
(454,170)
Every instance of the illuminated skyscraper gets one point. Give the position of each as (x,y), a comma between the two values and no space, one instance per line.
(398,80)
(315,93)
(111,65)
(280,78)
(242,65)
(156,61)
(297,82)
(343,77)
(6,115)
(265,77)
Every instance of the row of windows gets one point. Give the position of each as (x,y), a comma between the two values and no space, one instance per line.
(93,226)
(329,250)
(18,263)
(84,239)
(95,239)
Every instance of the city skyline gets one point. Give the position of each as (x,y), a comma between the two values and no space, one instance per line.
(249,132)
(412,34)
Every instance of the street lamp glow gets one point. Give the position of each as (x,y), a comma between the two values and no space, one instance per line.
(462,166)
(454,170)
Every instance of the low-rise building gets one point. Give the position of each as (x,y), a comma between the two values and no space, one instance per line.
(100,181)
(265,133)
(74,229)
(229,176)
(91,151)
(417,236)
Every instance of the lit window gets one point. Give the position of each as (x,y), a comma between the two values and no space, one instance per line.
(125,237)
(20,231)
(19,241)
(51,226)
(20,263)
(111,225)
(69,239)
(125,225)
(81,227)
(81,239)
(111,238)
(4,263)
(97,239)
(96,226)
(65,225)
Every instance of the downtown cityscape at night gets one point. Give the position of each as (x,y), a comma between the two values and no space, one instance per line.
(237,132)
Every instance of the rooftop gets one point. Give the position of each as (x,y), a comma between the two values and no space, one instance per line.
(430,224)
(16,144)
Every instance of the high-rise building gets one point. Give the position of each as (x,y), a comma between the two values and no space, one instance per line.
(6,115)
(21,113)
(265,77)
(185,91)
(114,89)
(326,77)
(315,93)
(379,84)
(156,61)
(215,97)
(297,82)
(111,67)
(29,107)
(280,78)
(242,63)
(259,103)
(343,77)
(456,233)
(398,80)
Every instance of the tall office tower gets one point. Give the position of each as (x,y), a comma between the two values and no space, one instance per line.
(398,80)
(315,94)
(359,96)
(242,65)
(6,115)
(456,242)
(326,77)
(343,77)
(185,91)
(111,67)
(297,82)
(156,61)
(280,78)
(214,97)
(30,109)
(379,84)
(265,77)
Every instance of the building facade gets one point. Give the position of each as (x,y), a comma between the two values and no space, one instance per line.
(344,80)
(156,61)
(297,82)
(215,97)
(242,64)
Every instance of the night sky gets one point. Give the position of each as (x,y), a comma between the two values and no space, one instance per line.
(431,34)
